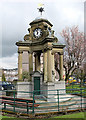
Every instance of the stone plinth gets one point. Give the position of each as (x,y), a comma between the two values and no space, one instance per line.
(51,89)
(23,89)
(60,85)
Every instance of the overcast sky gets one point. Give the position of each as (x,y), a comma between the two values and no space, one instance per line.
(15,16)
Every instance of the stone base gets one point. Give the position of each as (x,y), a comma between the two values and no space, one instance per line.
(60,85)
(51,89)
(24,89)
(48,91)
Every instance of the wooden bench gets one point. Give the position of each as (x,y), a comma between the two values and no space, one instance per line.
(19,102)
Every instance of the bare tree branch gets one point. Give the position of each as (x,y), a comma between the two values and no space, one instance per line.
(74,50)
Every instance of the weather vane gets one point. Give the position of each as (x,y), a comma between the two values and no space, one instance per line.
(41,9)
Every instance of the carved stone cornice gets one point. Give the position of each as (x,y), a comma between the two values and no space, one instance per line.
(30,52)
(60,53)
(58,46)
(45,49)
(35,43)
(49,48)
(20,51)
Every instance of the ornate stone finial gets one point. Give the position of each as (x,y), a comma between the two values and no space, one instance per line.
(41,9)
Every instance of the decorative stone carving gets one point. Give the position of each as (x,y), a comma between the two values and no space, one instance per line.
(26,37)
(46,43)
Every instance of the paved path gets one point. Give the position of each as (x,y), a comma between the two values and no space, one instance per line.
(73,103)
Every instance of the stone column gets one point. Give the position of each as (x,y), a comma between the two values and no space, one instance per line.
(20,65)
(61,65)
(37,62)
(30,62)
(53,67)
(49,66)
(45,65)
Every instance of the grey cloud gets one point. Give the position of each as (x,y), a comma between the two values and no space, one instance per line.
(17,16)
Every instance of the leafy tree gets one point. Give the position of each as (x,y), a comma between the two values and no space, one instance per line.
(3,77)
(25,75)
(74,50)
(79,74)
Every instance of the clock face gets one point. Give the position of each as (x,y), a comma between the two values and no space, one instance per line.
(37,33)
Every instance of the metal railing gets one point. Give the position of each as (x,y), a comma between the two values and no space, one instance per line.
(46,101)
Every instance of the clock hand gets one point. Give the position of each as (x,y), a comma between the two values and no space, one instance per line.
(37,32)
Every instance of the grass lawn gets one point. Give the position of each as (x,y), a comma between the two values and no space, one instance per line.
(76,116)
(10,118)
(5,118)
(74,86)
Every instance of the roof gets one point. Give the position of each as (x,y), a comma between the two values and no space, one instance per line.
(36,72)
(34,43)
(58,44)
(38,20)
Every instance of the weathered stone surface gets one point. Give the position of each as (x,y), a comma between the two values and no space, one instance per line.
(24,89)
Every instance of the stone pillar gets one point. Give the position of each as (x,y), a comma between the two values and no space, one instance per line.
(53,68)
(20,65)
(30,63)
(45,65)
(61,65)
(37,62)
(49,66)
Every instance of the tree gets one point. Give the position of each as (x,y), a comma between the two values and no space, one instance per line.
(80,74)
(25,75)
(74,50)
(3,77)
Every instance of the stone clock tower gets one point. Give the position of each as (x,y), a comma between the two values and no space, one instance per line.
(40,41)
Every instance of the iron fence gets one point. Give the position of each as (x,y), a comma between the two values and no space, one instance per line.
(53,101)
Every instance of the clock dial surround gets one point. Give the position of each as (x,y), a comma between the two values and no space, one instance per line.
(37,33)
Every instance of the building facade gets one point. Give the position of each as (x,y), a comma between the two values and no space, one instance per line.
(10,74)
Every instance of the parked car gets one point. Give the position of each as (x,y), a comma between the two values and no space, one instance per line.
(6,86)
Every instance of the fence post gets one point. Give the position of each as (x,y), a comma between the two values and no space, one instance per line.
(58,98)
(81,99)
(4,106)
(33,102)
(14,101)
(27,107)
